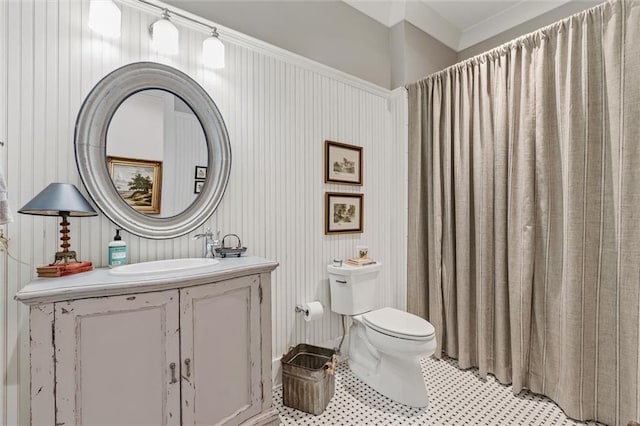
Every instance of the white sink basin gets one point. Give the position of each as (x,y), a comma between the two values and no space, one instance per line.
(164,266)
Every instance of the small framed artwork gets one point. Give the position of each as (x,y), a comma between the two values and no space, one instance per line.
(201,172)
(197,187)
(344,213)
(343,163)
(138,182)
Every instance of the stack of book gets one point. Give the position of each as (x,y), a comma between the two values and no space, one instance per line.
(356,261)
(62,269)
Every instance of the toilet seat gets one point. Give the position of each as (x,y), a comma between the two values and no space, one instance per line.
(400,324)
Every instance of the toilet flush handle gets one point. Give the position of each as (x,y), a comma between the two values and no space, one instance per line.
(341,281)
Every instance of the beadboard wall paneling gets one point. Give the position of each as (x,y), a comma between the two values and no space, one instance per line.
(279,108)
(5,298)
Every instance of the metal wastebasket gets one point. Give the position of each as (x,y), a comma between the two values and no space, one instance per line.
(307,378)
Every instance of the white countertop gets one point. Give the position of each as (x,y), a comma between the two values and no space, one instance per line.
(99,282)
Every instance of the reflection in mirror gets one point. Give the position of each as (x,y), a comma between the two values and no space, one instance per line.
(155,144)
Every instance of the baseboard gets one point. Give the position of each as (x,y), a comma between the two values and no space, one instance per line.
(276,368)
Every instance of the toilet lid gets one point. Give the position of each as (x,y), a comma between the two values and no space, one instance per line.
(398,323)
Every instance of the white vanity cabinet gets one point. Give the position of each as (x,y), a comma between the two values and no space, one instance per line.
(115,357)
(220,347)
(182,348)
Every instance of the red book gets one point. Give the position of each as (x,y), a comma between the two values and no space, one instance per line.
(62,269)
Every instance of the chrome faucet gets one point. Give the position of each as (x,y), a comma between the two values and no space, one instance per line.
(210,245)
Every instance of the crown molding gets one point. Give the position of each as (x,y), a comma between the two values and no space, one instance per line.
(508,18)
(427,19)
(431,22)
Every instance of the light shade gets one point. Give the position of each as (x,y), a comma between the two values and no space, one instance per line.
(213,51)
(164,35)
(59,198)
(105,18)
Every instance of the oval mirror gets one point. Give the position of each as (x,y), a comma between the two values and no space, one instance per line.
(152,150)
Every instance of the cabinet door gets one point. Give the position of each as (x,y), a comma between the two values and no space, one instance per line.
(220,347)
(113,360)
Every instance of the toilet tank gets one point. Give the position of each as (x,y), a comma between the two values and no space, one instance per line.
(354,289)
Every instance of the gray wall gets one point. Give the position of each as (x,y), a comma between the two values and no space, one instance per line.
(398,55)
(423,54)
(335,34)
(534,24)
(329,32)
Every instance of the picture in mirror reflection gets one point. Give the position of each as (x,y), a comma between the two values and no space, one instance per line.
(138,182)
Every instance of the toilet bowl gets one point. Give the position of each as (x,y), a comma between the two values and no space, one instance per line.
(385,345)
(389,360)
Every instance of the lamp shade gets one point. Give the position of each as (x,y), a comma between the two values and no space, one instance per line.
(213,51)
(57,198)
(164,36)
(105,18)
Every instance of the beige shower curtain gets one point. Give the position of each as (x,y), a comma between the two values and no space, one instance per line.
(524,192)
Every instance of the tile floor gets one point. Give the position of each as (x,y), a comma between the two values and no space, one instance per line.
(463,399)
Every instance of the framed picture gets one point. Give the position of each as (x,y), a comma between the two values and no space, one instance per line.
(197,187)
(139,182)
(344,213)
(343,163)
(201,172)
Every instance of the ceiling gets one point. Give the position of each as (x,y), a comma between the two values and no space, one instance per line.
(458,23)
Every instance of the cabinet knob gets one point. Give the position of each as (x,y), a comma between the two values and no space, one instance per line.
(187,364)
(172,366)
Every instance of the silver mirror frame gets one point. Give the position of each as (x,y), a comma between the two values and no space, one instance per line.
(90,147)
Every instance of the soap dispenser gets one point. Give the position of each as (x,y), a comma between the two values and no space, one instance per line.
(117,251)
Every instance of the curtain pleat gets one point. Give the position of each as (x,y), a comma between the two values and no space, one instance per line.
(524,194)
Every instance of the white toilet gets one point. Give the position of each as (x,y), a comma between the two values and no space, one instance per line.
(385,345)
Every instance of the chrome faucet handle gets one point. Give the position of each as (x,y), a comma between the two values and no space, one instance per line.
(209,249)
(207,234)
(215,244)
(209,243)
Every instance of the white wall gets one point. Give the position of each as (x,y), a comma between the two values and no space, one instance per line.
(279,108)
(136,129)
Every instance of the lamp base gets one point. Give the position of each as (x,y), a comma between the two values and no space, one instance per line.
(65,256)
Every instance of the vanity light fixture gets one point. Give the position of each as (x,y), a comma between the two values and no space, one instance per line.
(213,50)
(164,35)
(105,18)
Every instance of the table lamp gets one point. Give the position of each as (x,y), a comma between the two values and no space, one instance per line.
(60,199)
